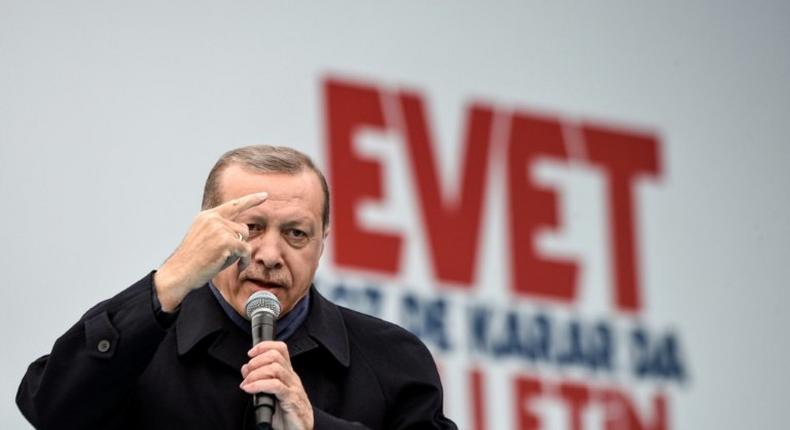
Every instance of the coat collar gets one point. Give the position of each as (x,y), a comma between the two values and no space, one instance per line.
(326,326)
(202,324)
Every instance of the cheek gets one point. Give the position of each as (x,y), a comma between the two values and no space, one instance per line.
(303,264)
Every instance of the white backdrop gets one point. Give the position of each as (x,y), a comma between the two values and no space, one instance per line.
(112,113)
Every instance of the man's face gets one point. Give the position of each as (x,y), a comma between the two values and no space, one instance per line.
(286,236)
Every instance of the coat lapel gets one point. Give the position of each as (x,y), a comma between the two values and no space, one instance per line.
(325,326)
(203,325)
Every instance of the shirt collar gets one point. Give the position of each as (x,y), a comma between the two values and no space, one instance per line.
(286,325)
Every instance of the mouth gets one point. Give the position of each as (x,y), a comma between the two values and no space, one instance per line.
(265,285)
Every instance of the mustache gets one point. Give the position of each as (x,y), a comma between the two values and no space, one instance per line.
(261,275)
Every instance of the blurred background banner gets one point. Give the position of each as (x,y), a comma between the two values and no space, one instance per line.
(579,208)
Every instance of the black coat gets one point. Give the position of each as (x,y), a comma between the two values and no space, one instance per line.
(119,368)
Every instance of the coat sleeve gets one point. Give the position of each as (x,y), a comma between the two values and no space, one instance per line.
(86,379)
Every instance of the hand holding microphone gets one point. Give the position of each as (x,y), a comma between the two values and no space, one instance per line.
(263,308)
(279,398)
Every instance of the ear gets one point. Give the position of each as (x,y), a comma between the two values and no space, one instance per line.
(323,241)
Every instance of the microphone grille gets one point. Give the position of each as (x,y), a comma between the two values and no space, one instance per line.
(262,301)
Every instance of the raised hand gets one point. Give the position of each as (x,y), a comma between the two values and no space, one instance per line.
(214,241)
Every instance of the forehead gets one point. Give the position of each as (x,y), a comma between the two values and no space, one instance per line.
(299,193)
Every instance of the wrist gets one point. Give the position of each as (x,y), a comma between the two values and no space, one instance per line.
(167,292)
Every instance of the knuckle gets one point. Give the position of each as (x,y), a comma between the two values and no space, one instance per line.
(259,360)
(200,217)
(276,370)
(273,355)
(228,242)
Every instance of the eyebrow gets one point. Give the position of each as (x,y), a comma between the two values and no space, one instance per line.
(303,223)
(296,221)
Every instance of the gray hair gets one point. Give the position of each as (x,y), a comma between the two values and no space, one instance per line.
(263,159)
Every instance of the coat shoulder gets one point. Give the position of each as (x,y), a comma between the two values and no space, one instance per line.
(381,340)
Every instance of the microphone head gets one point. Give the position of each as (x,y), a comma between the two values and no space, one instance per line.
(262,301)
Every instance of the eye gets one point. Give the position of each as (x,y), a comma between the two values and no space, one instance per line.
(295,233)
(255,229)
(296,237)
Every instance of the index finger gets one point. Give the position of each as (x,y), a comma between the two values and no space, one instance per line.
(232,208)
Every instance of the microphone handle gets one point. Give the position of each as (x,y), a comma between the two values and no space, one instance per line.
(263,403)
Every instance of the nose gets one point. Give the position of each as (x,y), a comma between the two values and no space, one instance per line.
(267,250)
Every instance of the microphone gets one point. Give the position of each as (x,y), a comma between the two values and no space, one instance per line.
(263,308)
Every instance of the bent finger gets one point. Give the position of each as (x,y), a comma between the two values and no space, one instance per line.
(240,252)
(271,371)
(269,345)
(271,386)
(267,358)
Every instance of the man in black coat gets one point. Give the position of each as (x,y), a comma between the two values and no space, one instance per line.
(173,351)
